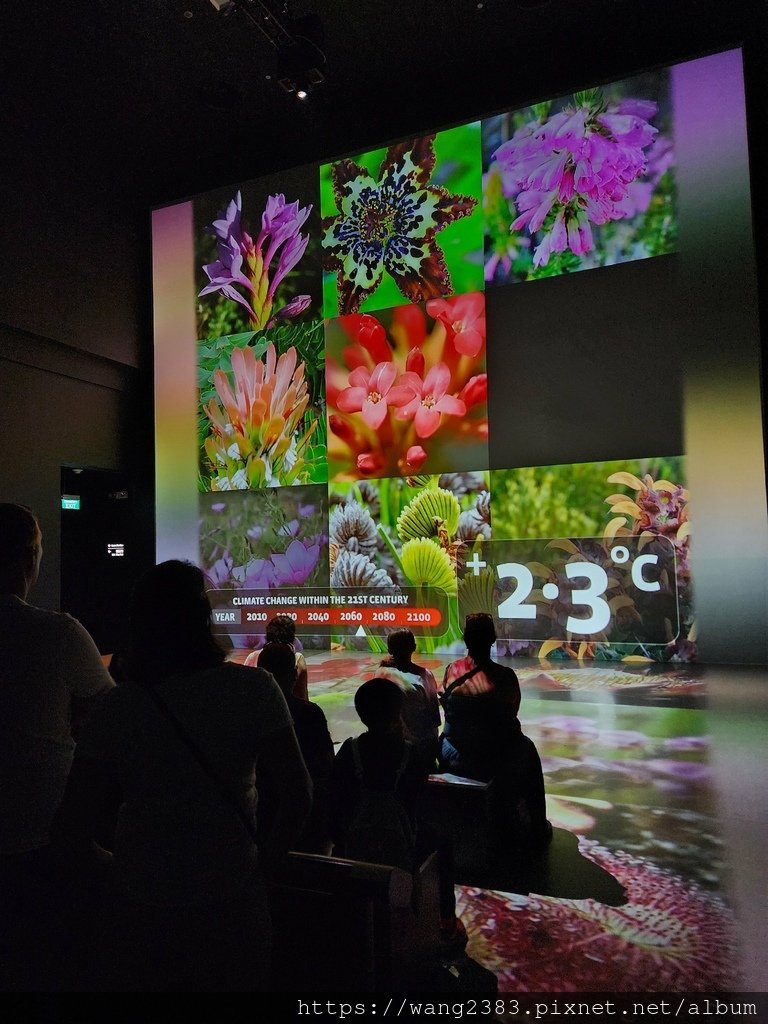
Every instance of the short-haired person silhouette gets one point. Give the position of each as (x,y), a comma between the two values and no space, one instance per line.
(388,762)
(50,675)
(281,629)
(176,745)
(482,737)
(382,761)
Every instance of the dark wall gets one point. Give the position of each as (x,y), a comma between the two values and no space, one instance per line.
(61,406)
(81,281)
(75,341)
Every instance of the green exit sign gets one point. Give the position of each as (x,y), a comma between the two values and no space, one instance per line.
(70,501)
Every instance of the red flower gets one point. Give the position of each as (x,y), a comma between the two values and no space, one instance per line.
(475,390)
(429,400)
(415,457)
(464,319)
(372,394)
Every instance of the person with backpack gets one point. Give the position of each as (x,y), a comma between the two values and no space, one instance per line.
(483,739)
(376,786)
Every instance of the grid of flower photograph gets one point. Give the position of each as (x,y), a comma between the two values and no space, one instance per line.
(344,344)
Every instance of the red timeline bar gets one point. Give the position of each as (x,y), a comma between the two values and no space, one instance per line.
(309,615)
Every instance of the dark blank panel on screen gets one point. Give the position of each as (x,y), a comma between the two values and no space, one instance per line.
(586,367)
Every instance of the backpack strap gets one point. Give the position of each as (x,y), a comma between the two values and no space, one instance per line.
(357,763)
(403,763)
(457,682)
(202,761)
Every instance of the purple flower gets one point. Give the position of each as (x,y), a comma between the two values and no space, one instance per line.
(628,129)
(542,252)
(584,164)
(259,575)
(289,529)
(243,263)
(638,198)
(640,108)
(661,156)
(571,726)
(225,273)
(280,220)
(622,738)
(289,257)
(509,648)
(218,506)
(220,572)
(686,743)
(534,206)
(294,307)
(305,511)
(229,222)
(297,564)
(687,770)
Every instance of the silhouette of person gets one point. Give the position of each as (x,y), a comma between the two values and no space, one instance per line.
(421,708)
(176,746)
(51,674)
(482,737)
(315,744)
(281,629)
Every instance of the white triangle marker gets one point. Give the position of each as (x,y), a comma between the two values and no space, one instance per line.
(360,631)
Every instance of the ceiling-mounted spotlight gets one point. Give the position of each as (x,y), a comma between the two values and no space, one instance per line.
(299,67)
(297,41)
(298,80)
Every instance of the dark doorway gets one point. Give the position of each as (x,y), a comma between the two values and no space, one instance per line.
(98,558)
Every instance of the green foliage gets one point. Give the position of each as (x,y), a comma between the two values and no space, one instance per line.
(592,98)
(565,501)
(559,263)
(218,316)
(416,557)
(659,228)
(532,502)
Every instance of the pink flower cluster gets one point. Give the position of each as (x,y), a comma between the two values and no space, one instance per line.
(422,400)
(580,167)
(404,396)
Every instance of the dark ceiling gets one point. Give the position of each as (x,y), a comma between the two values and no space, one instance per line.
(145,101)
